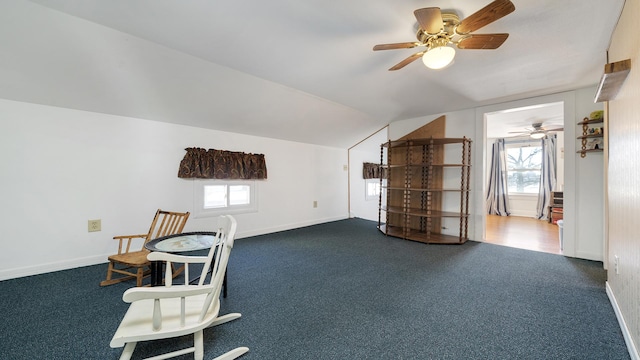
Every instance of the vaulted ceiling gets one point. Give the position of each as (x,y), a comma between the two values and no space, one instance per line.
(294,70)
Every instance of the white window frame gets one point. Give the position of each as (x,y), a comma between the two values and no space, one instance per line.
(526,143)
(367,195)
(199,211)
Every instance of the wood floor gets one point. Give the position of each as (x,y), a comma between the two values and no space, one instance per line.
(523,233)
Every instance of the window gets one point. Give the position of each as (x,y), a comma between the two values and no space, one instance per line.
(524,163)
(216,197)
(372,189)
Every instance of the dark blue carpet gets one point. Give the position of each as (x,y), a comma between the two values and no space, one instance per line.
(343,290)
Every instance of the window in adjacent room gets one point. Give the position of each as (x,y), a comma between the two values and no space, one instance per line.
(216,197)
(524,161)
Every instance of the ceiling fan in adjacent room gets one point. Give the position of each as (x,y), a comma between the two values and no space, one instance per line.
(536,131)
(436,30)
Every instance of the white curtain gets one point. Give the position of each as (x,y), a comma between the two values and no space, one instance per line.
(497,196)
(547,175)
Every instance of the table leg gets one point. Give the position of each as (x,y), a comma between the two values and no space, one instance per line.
(224,285)
(156,273)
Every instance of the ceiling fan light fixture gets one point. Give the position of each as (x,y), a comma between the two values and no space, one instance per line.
(438,57)
(537,135)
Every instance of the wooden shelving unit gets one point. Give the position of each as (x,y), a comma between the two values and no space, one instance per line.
(586,124)
(415,190)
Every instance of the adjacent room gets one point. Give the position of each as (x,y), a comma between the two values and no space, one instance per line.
(348,180)
(526,205)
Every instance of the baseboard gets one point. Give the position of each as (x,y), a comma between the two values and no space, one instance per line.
(50,267)
(633,350)
(93,260)
(285,227)
(589,256)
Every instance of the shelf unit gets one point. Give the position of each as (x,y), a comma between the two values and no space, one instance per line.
(586,123)
(412,202)
(556,206)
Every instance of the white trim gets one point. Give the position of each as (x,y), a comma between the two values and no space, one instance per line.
(290,226)
(633,350)
(53,266)
(102,259)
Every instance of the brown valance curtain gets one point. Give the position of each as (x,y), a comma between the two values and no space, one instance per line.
(221,164)
(373,171)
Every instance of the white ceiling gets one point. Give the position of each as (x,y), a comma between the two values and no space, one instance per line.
(296,70)
(515,122)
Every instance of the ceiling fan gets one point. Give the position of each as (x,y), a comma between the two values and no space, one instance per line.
(438,29)
(536,131)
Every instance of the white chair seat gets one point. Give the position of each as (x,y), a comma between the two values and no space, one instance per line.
(135,324)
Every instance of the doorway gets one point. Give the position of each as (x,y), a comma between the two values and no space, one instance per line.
(522,128)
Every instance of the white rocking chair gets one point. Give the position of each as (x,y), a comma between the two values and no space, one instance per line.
(170,311)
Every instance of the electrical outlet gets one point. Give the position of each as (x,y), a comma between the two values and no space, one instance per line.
(616,264)
(95,225)
(315,204)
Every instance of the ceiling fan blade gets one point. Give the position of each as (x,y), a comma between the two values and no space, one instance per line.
(485,16)
(405,45)
(557,129)
(482,41)
(407,61)
(430,19)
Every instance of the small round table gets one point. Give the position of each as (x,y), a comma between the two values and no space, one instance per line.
(180,243)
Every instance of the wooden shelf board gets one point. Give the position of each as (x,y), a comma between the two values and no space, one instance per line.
(438,190)
(590,121)
(435,213)
(425,165)
(424,189)
(421,142)
(423,213)
(421,236)
(614,76)
(590,136)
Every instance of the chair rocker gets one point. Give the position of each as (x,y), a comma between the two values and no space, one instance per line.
(170,311)
(127,259)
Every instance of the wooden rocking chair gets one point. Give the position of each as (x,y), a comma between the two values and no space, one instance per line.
(164,223)
(171,311)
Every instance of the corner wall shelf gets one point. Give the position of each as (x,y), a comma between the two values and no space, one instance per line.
(612,79)
(595,138)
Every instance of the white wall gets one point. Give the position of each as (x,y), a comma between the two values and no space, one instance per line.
(589,185)
(522,205)
(623,130)
(62,167)
(366,151)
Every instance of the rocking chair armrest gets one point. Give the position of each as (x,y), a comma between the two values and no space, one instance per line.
(161,292)
(121,237)
(125,241)
(184,259)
